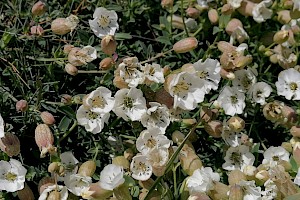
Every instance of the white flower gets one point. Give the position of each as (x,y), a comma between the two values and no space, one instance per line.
(111,177)
(260,11)
(70,164)
(202,180)
(72,21)
(12,175)
(100,100)
(104,22)
(270,191)
(92,121)
(238,158)
(156,116)
(244,79)
(63,191)
(259,92)
(130,71)
(288,84)
(273,155)
(238,34)
(158,158)
(231,138)
(187,89)
(251,192)
(150,139)
(232,101)
(1,127)
(297,178)
(208,70)
(153,73)
(88,54)
(77,184)
(296,5)
(235,3)
(130,104)
(141,168)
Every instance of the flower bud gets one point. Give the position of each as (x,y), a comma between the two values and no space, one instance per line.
(98,192)
(289,116)
(155,195)
(213,16)
(128,154)
(38,9)
(26,193)
(236,176)
(281,36)
(272,111)
(106,63)
(121,161)
(220,191)
(236,193)
(47,118)
(232,25)
(284,16)
(189,160)
(295,14)
(54,167)
(295,131)
(44,183)
(214,128)
(66,99)
(88,168)
(68,48)
(206,114)
(44,139)
(250,171)
(167,3)
(37,30)
(21,106)
(227,9)
(10,144)
(60,26)
(108,45)
(122,192)
(147,184)
(192,12)
(198,196)
(71,69)
(119,82)
(185,45)
(177,137)
(236,124)
(246,8)
(287,146)
(75,59)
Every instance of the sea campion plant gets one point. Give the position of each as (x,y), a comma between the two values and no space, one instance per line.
(170,99)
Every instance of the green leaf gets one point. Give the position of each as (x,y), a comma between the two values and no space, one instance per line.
(216,30)
(123,36)
(68,111)
(64,124)
(164,40)
(294,164)
(223,21)
(6,37)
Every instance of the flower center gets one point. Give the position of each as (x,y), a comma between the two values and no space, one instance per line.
(233,99)
(128,102)
(293,86)
(10,176)
(151,143)
(92,115)
(98,102)
(246,82)
(103,21)
(275,158)
(202,74)
(181,86)
(236,158)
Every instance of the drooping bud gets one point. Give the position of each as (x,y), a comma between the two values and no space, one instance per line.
(108,45)
(213,16)
(147,184)
(214,128)
(121,161)
(54,195)
(206,114)
(236,176)
(236,193)
(38,9)
(106,63)
(189,160)
(236,124)
(66,99)
(54,167)
(47,118)
(246,8)
(128,154)
(26,193)
(227,74)
(284,16)
(192,12)
(87,168)
(220,191)
(167,3)
(10,144)
(122,192)
(227,9)
(232,25)
(21,106)
(37,30)
(287,146)
(281,36)
(71,69)
(98,192)
(163,97)
(295,131)
(185,45)
(60,26)
(44,139)
(68,48)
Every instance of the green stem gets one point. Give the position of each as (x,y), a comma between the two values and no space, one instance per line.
(91,72)
(182,16)
(68,132)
